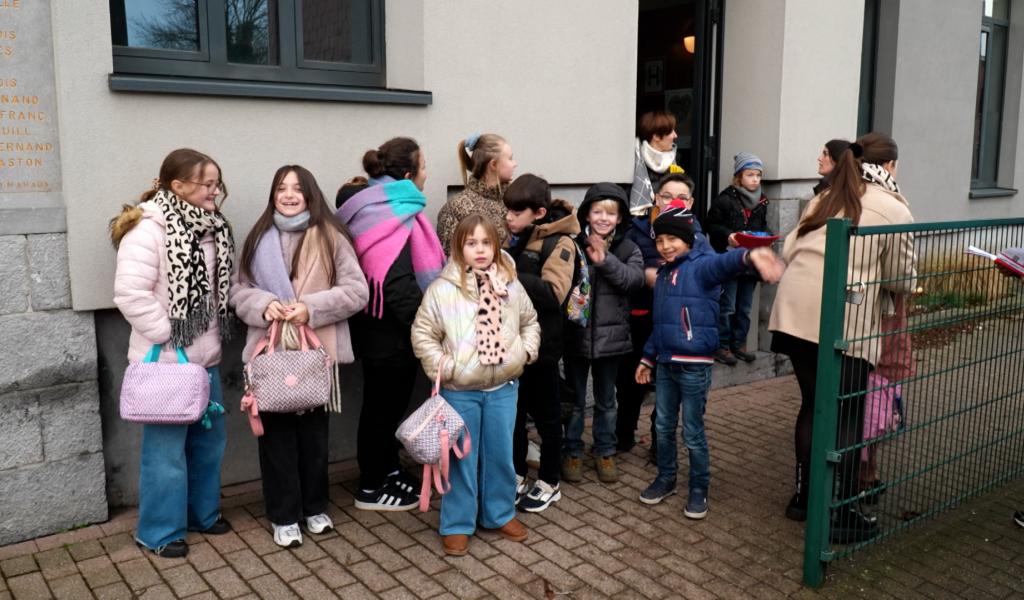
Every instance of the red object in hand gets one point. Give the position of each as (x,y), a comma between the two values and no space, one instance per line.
(746,240)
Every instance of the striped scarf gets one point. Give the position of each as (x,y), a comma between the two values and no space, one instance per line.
(382,218)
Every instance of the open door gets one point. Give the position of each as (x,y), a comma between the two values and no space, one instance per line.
(679,70)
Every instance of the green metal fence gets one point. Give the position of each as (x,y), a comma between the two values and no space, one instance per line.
(941,418)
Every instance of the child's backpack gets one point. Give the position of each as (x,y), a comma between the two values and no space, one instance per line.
(577,302)
(430,434)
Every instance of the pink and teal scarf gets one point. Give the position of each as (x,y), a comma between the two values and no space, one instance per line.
(382,218)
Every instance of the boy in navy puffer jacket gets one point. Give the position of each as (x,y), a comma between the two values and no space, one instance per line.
(683,343)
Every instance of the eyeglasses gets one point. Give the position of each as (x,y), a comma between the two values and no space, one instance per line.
(217,185)
(667,197)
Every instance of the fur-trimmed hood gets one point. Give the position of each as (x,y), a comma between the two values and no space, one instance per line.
(131,215)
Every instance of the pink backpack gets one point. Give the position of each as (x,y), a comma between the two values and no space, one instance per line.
(429,434)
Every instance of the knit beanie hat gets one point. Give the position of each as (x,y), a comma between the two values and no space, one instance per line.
(676,220)
(746,160)
(836,148)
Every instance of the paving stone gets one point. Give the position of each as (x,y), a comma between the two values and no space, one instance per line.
(556,576)
(459,585)
(270,587)
(184,580)
(114,591)
(312,588)
(99,571)
(356,534)
(286,565)
(29,587)
(225,583)
(310,549)
(204,557)
(71,587)
(331,573)
(157,592)
(138,573)
(398,593)
(372,576)
(227,542)
(86,549)
(421,584)
(260,541)
(344,551)
(357,591)
(386,557)
(122,547)
(12,567)
(247,564)
(604,582)
(504,589)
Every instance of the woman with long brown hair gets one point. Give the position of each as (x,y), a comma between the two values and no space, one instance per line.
(298,268)
(864,190)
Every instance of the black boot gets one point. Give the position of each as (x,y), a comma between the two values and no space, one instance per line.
(797,508)
(850,525)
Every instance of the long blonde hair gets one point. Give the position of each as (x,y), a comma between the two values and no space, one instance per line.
(487,147)
(463,230)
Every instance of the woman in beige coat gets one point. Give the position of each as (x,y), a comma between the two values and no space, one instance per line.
(478,327)
(864,190)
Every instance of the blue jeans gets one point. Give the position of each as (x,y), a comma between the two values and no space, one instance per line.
(484,482)
(686,385)
(734,312)
(179,476)
(605,407)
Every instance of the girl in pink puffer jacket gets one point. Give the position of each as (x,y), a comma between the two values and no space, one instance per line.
(174,255)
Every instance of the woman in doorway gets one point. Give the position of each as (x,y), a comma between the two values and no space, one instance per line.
(832,150)
(864,190)
(400,255)
(654,155)
(487,166)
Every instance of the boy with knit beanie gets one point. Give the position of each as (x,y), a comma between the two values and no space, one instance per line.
(680,349)
(740,207)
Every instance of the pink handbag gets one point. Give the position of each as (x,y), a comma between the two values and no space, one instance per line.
(429,434)
(285,381)
(159,393)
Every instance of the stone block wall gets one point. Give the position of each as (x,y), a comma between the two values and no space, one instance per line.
(51,443)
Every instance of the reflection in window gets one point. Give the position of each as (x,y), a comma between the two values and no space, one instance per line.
(252,31)
(327,30)
(164,24)
(988,114)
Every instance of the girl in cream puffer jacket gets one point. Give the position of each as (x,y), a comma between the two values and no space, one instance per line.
(478,326)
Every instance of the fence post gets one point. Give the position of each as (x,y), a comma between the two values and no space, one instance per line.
(830,347)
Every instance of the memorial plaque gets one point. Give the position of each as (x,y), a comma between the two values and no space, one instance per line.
(29,153)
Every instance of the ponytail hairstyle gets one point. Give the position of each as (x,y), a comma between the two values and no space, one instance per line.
(476,152)
(181,164)
(321,217)
(397,158)
(843,197)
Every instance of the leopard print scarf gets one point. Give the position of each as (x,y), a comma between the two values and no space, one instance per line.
(877,174)
(491,290)
(191,305)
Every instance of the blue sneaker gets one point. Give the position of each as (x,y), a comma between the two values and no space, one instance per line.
(697,505)
(658,491)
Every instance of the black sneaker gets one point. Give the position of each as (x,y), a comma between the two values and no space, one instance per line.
(658,491)
(1018,518)
(175,549)
(724,356)
(696,504)
(540,496)
(390,497)
(850,526)
(794,511)
(743,355)
(219,527)
(408,483)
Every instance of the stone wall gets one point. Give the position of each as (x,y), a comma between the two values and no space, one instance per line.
(51,446)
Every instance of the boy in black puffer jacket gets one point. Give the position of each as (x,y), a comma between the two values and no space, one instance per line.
(740,207)
(541,242)
(684,336)
(616,271)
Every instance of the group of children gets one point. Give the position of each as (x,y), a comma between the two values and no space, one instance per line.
(491,319)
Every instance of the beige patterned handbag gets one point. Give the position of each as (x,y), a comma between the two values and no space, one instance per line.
(286,381)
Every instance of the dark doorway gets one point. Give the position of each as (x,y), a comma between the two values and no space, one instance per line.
(678,70)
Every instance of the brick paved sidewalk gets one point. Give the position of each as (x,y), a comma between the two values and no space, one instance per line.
(598,542)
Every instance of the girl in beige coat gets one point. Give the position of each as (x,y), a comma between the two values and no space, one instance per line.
(864,190)
(298,268)
(478,326)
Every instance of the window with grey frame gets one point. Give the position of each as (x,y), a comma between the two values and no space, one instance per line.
(250,43)
(988,115)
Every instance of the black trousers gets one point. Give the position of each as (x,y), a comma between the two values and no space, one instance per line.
(293,460)
(630,393)
(539,397)
(853,380)
(387,387)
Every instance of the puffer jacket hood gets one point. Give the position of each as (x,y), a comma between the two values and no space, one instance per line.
(131,215)
(605,191)
(445,325)
(560,220)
